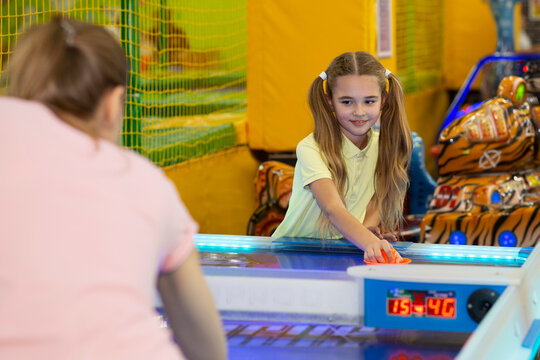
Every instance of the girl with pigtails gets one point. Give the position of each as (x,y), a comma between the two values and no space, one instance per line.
(350,179)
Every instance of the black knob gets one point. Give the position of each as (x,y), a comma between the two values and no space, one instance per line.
(479,303)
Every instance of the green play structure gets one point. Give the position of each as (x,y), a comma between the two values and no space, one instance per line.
(187,60)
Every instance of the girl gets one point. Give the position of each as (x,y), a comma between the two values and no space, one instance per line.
(350,180)
(88,228)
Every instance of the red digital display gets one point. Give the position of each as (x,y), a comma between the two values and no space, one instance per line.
(421,303)
(400,306)
(441,307)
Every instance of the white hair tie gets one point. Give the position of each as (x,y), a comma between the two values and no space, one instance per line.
(323,76)
(387,73)
(70,32)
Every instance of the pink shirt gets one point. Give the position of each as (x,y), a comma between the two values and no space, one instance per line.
(85,227)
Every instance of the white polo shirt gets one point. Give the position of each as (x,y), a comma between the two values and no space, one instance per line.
(303,212)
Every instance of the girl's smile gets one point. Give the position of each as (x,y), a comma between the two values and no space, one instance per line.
(359,122)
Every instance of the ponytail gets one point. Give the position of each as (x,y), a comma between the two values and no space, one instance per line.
(395,147)
(327,134)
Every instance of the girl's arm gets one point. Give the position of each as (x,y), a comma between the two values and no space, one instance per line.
(328,199)
(191,311)
(373,219)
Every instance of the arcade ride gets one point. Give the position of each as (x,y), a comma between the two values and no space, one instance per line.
(488,190)
(488,152)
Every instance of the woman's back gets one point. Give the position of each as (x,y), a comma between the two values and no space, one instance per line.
(86,226)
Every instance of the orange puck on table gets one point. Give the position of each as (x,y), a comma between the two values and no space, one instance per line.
(394,252)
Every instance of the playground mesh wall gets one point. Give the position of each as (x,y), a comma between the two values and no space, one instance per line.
(187,86)
(419,43)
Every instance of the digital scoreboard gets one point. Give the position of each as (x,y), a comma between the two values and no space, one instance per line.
(421,303)
(427,306)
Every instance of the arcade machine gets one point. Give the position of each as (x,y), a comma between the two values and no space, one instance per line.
(488,191)
(298,298)
(488,150)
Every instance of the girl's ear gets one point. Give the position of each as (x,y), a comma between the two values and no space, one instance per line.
(112,113)
(114,102)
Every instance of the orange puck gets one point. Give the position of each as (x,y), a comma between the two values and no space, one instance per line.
(383,253)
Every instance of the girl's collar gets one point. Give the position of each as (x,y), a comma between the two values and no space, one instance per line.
(350,150)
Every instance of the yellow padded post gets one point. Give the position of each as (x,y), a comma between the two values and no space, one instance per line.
(289,44)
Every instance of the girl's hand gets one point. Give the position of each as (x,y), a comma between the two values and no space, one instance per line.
(377,232)
(389,237)
(373,252)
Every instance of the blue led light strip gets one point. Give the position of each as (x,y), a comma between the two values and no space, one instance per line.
(466,253)
(208,242)
(484,255)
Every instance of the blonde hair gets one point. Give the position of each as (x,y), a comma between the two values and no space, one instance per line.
(67,65)
(395,140)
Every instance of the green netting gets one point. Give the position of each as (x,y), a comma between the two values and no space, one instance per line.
(170,146)
(191,80)
(191,103)
(187,57)
(419,44)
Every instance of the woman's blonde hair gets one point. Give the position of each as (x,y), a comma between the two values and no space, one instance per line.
(395,140)
(67,65)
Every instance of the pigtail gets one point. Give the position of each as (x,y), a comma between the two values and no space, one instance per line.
(327,134)
(395,147)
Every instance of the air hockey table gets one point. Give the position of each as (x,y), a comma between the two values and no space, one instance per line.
(294,298)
